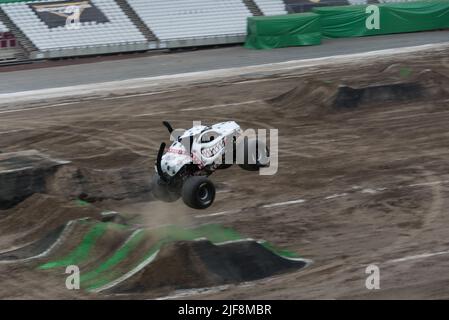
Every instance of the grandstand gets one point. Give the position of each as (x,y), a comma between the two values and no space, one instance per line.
(271,7)
(8,44)
(299,6)
(3,28)
(193,22)
(52,29)
(107,29)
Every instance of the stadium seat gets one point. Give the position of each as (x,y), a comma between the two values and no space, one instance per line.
(271,7)
(118,31)
(3,28)
(184,19)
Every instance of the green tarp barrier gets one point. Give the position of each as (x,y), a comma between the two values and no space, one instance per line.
(365,20)
(283,31)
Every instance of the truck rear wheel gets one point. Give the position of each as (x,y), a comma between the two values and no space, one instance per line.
(161,190)
(198,192)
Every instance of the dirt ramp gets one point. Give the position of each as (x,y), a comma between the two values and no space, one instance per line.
(24,173)
(195,264)
(348,97)
(243,261)
(33,249)
(320,97)
(129,181)
(118,174)
(436,84)
(35,217)
(308,98)
(427,85)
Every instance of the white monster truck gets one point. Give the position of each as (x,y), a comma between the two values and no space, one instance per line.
(183,169)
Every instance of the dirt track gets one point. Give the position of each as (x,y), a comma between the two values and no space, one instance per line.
(374,178)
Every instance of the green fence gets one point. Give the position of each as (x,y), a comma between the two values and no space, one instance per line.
(387,18)
(283,31)
(346,21)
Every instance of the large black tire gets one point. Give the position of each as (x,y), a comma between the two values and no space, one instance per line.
(198,192)
(161,190)
(253,161)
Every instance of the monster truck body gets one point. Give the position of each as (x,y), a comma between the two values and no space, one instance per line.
(203,146)
(183,169)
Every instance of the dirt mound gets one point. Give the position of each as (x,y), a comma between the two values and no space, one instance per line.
(353,97)
(61,246)
(88,245)
(21,282)
(318,97)
(92,178)
(426,85)
(24,173)
(125,182)
(309,97)
(33,249)
(195,264)
(33,218)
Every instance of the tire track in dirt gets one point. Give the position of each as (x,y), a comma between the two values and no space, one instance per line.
(116,141)
(435,210)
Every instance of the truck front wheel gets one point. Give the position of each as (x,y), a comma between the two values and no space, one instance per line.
(198,192)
